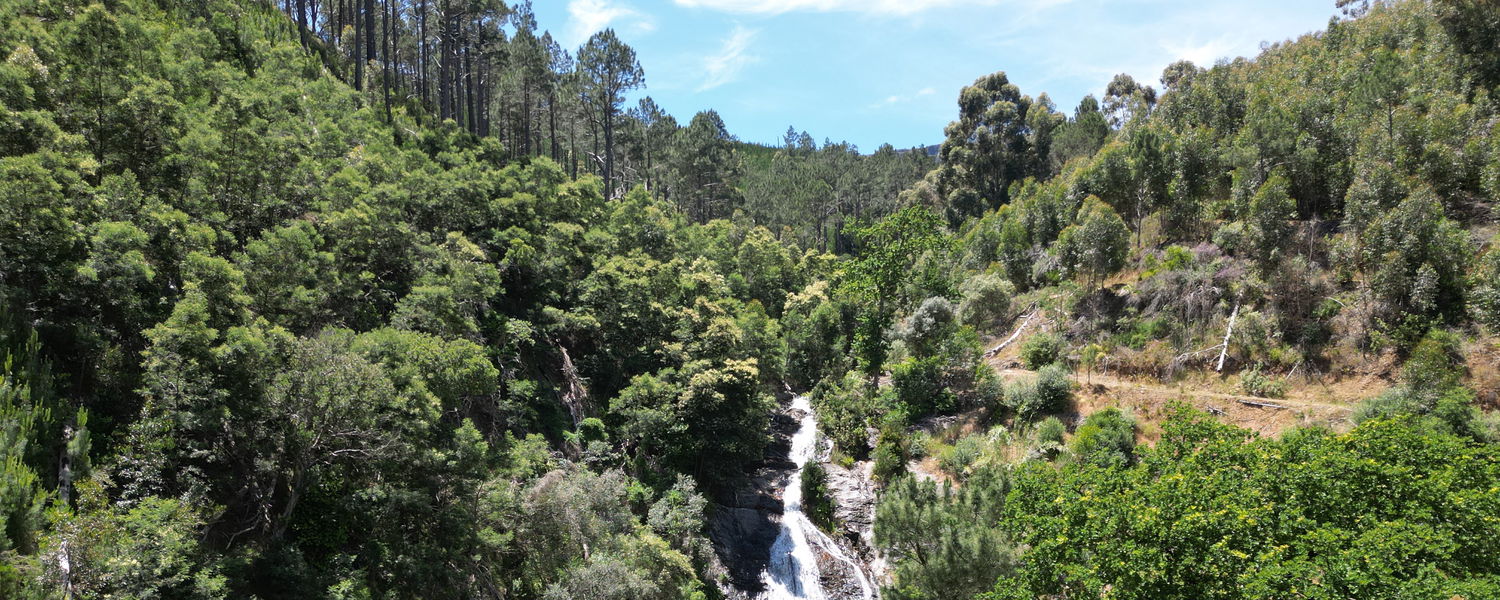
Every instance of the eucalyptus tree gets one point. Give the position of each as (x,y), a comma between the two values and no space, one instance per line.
(986,148)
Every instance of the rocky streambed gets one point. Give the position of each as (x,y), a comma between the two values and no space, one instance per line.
(767,548)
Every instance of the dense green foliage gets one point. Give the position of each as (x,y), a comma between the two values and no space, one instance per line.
(1263,518)
(936,536)
(1047,393)
(816,501)
(1337,186)
(310,307)
(820,193)
(1210,512)
(1106,438)
(307,343)
(1321,210)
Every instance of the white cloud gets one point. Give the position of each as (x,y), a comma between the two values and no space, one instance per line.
(903,99)
(591,16)
(726,65)
(882,7)
(1206,53)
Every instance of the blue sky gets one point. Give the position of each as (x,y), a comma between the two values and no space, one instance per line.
(876,71)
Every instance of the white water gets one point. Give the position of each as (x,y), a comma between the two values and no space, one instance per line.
(793,572)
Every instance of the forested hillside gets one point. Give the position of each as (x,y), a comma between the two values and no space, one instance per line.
(275,328)
(400,299)
(1262,236)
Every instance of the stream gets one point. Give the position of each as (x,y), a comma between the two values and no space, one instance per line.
(793,568)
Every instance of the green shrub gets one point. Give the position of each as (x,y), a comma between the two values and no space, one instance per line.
(986,299)
(592,429)
(1231,237)
(1050,429)
(929,328)
(989,390)
(919,385)
(1435,363)
(1255,383)
(1041,350)
(1449,411)
(1431,390)
(817,503)
(1142,332)
(846,406)
(1487,427)
(1049,392)
(1484,297)
(1173,258)
(890,463)
(919,445)
(1393,402)
(1106,438)
(1047,439)
(957,458)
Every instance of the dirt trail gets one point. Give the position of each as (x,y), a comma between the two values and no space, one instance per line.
(1149,401)
(1112,382)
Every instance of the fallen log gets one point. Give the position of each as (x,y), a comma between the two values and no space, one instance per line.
(1013,336)
(1259,404)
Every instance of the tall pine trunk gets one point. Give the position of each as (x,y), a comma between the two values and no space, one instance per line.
(302,22)
(552,122)
(385,47)
(422,56)
(609,151)
(526,116)
(469,106)
(445,64)
(573,147)
(369,54)
(359,63)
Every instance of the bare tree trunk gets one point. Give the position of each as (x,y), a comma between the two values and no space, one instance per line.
(573,147)
(369,33)
(422,54)
(294,493)
(445,63)
(609,151)
(469,100)
(302,22)
(359,63)
(525,116)
(1228,331)
(552,122)
(385,48)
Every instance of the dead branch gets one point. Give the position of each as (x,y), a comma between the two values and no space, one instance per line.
(1182,358)
(1013,336)
(1228,331)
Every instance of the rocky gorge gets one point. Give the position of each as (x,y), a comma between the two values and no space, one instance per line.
(768,548)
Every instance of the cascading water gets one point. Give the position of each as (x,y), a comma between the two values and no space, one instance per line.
(793,571)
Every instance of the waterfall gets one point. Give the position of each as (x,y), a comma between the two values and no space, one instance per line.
(793,571)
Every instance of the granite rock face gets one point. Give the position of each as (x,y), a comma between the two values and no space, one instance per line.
(745,525)
(854,496)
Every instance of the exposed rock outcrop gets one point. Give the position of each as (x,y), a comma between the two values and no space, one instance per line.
(854,496)
(744,526)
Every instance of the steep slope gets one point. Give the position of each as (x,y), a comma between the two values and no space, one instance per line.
(302,345)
